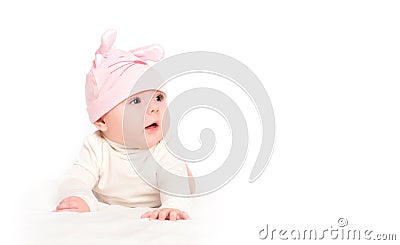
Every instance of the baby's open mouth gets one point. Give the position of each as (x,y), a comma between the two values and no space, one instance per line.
(153,125)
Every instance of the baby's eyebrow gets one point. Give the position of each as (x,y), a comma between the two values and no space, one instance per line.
(160,92)
(156,93)
(133,96)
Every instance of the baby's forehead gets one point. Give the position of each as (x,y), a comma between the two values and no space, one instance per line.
(152,92)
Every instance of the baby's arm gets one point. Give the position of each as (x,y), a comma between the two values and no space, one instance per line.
(75,191)
(172,207)
(172,214)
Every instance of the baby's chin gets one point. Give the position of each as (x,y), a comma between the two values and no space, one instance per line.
(153,140)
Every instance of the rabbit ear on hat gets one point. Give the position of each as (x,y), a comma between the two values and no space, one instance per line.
(107,45)
(153,53)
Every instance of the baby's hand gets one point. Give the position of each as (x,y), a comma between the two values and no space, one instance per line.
(72,204)
(166,214)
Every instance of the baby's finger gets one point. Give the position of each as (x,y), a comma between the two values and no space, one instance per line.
(66,205)
(61,206)
(183,215)
(154,215)
(163,214)
(172,215)
(146,215)
(68,210)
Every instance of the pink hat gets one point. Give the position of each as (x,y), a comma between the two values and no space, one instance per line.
(114,74)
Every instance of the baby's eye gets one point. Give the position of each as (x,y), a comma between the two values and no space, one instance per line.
(135,101)
(159,98)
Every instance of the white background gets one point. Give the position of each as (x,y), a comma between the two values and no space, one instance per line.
(331,69)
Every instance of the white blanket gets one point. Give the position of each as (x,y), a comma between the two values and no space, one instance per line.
(111,225)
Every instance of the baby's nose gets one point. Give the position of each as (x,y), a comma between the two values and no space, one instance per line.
(153,107)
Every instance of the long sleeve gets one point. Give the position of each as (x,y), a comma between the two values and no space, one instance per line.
(170,167)
(82,176)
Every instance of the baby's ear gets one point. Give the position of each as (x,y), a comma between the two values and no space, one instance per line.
(153,53)
(101,124)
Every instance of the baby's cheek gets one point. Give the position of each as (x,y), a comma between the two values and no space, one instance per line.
(165,121)
(134,137)
(134,116)
(133,127)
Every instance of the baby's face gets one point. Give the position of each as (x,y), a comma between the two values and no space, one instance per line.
(139,121)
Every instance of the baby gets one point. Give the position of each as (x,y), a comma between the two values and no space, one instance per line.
(103,173)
